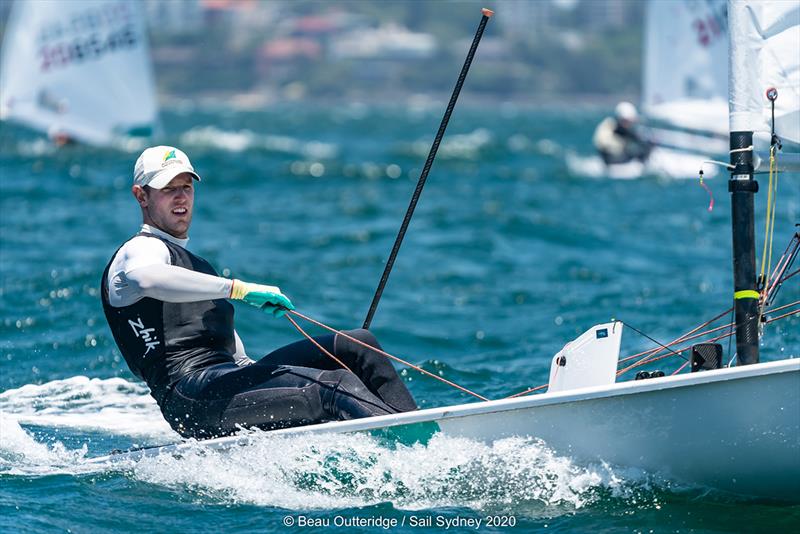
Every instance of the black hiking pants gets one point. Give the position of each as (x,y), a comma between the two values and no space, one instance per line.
(291,386)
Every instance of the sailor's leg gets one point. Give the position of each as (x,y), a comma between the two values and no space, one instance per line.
(374,369)
(269,397)
(303,353)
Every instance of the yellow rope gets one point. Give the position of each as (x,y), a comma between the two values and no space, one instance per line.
(772,166)
(769,223)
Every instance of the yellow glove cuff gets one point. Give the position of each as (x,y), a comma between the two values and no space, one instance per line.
(239,289)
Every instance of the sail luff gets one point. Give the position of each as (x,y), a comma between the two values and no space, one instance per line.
(764,53)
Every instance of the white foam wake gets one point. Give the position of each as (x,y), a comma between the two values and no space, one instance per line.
(111,405)
(21,454)
(340,471)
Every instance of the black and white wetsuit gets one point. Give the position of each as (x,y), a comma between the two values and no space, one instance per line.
(168,312)
(618,144)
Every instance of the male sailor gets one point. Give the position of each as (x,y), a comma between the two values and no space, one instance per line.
(616,138)
(169,313)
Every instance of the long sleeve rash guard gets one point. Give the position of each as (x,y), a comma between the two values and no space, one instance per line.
(142,268)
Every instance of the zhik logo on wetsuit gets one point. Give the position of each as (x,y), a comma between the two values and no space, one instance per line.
(146,334)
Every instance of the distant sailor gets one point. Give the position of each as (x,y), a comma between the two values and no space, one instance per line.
(168,311)
(616,138)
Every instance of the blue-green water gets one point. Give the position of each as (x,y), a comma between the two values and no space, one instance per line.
(508,257)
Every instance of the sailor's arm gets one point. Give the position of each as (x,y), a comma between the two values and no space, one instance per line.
(143,269)
(171,283)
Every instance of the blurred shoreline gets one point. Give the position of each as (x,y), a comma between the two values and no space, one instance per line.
(255,101)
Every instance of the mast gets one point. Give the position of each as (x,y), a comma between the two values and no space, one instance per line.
(743,187)
(744,110)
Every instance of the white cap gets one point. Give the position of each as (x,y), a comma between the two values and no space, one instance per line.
(158,165)
(626,111)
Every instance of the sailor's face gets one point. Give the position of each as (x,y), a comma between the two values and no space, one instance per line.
(169,208)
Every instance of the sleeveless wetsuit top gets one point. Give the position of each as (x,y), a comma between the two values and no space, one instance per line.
(164,341)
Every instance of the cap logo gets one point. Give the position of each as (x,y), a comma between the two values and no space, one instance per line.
(170,154)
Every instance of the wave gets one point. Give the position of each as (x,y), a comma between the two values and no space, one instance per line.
(356,470)
(468,146)
(111,405)
(21,454)
(243,140)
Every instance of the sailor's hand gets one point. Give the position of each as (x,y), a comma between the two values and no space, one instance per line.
(268,298)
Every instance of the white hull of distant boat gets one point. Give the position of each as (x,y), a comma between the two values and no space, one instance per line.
(735,429)
(662,162)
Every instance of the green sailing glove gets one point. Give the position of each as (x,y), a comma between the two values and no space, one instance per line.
(268,298)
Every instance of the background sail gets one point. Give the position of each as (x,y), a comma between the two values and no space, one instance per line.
(765,52)
(80,69)
(686,64)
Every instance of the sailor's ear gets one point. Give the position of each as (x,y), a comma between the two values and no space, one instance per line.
(140,194)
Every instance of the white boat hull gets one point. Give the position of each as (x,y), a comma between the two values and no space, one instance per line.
(735,429)
(662,162)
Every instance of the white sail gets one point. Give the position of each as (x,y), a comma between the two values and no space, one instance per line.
(765,52)
(80,69)
(685,64)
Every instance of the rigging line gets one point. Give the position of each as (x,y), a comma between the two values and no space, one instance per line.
(529,390)
(767,218)
(730,334)
(793,312)
(779,308)
(679,369)
(651,360)
(683,337)
(774,207)
(486,13)
(783,263)
(656,350)
(637,364)
(653,340)
(651,352)
(779,279)
(790,275)
(379,351)
(320,347)
(715,162)
(787,256)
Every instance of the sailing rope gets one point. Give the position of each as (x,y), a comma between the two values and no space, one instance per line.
(316,344)
(769,222)
(650,355)
(370,347)
(784,264)
(710,194)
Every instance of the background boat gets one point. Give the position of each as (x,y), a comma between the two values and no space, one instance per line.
(685,75)
(79,71)
(684,100)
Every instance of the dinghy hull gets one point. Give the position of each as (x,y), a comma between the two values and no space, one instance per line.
(703,428)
